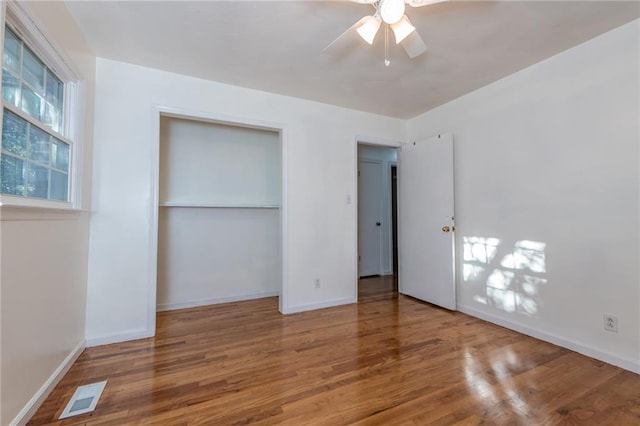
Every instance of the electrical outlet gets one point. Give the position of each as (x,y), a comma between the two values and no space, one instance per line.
(317,283)
(610,323)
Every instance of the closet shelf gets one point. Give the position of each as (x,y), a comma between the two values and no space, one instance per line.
(218,205)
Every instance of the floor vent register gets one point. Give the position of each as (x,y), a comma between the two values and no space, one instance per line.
(84,399)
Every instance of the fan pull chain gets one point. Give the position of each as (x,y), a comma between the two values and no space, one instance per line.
(387,62)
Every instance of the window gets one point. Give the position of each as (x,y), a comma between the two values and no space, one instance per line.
(34,163)
(30,85)
(35,156)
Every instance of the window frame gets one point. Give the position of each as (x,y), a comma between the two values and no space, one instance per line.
(30,33)
(44,128)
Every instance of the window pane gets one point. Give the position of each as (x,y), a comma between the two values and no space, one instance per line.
(10,88)
(39,145)
(53,117)
(14,134)
(54,90)
(54,98)
(33,70)
(12,175)
(11,52)
(38,181)
(60,155)
(59,186)
(31,103)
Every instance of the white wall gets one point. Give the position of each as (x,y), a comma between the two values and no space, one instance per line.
(44,258)
(43,300)
(387,156)
(320,168)
(546,165)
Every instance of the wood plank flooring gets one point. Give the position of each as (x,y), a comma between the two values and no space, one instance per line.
(387,360)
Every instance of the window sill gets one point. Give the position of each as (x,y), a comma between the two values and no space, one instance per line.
(14,208)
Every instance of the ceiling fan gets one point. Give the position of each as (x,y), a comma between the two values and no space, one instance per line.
(391,14)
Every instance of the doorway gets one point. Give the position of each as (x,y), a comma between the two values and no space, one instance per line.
(424,221)
(377,216)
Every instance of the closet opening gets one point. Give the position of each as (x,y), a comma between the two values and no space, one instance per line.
(219,212)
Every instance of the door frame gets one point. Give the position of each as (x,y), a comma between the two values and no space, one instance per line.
(376,142)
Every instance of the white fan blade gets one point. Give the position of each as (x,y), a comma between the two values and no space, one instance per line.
(419,3)
(369,28)
(344,34)
(413,45)
(402,28)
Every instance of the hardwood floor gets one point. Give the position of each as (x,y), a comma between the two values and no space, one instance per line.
(387,360)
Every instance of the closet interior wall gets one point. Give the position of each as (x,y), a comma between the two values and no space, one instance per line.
(219,215)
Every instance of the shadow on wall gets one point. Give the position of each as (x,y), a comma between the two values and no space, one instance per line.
(508,277)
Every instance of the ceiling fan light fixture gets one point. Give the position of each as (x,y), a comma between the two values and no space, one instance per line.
(402,29)
(369,29)
(391,11)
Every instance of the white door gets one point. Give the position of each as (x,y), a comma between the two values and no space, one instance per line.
(369,217)
(425,210)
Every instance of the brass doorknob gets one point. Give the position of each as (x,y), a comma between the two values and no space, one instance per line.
(446,229)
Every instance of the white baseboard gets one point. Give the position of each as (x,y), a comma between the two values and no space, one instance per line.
(141,333)
(215,301)
(321,305)
(552,338)
(34,403)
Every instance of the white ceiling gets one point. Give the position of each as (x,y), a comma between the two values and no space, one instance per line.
(277,46)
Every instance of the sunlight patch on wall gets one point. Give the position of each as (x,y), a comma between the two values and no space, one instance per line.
(499,290)
(511,276)
(478,252)
(526,255)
